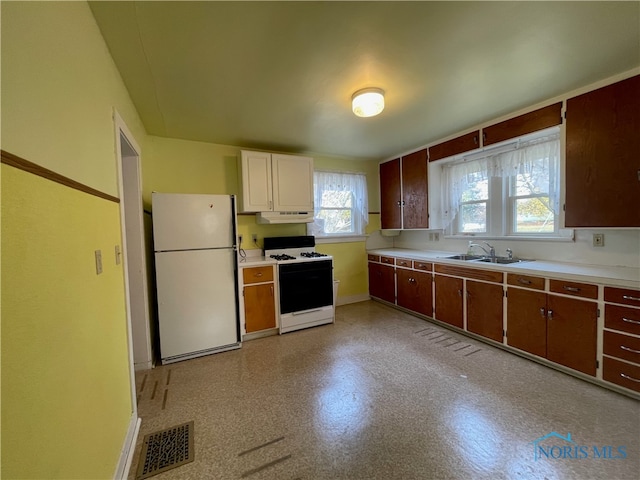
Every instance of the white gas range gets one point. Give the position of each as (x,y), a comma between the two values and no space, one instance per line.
(305,280)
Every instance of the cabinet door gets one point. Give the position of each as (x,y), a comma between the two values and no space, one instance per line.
(292,183)
(256,182)
(603,157)
(458,145)
(415,207)
(484,309)
(382,282)
(390,200)
(448,300)
(523,124)
(527,321)
(571,333)
(414,291)
(259,307)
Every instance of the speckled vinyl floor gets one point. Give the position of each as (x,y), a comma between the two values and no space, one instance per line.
(384,395)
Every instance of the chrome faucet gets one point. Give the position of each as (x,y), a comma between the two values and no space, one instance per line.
(491,252)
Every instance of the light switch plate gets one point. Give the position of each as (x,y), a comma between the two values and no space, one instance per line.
(98,262)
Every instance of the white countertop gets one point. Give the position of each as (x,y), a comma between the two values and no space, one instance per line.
(255,261)
(609,275)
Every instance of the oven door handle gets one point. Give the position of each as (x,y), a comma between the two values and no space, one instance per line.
(302,312)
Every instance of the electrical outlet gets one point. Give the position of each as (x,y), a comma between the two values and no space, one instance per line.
(431,237)
(254,236)
(598,239)
(436,237)
(98,254)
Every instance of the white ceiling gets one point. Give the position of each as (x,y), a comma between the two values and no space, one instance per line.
(280,75)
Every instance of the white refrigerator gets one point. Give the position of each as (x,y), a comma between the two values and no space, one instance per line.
(196,274)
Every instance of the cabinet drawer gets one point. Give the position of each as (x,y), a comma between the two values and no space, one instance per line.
(489,276)
(403,262)
(422,265)
(573,288)
(621,373)
(622,346)
(387,260)
(527,281)
(257,274)
(622,318)
(373,258)
(622,295)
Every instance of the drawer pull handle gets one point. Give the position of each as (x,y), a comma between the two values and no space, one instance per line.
(550,314)
(571,289)
(629,378)
(524,281)
(628,320)
(629,297)
(629,349)
(543,312)
(259,274)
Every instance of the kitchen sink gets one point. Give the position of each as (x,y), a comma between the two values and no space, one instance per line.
(484,258)
(466,257)
(503,260)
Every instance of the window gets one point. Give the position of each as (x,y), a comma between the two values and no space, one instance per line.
(340,204)
(510,190)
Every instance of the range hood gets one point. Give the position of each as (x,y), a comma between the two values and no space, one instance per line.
(284,217)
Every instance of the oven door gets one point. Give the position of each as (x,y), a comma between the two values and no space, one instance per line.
(305,286)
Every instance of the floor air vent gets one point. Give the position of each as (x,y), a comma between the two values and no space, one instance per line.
(166,449)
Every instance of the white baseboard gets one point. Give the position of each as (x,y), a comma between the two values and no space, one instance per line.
(143,366)
(363,297)
(128,447)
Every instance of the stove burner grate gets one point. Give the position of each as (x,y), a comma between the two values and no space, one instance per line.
(281,257)
(313,254)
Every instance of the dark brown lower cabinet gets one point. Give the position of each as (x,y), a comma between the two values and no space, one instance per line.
(527,321)
(414,291)
(572,333)
(484,309)
(560,329)
(448,300)
(382,282)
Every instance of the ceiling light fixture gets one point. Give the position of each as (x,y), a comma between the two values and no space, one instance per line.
(368,102)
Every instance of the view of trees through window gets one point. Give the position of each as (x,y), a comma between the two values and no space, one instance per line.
(530,200)
(337,211)
(526,204)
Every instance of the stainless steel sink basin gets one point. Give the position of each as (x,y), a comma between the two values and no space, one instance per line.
(503,260)
(466,257)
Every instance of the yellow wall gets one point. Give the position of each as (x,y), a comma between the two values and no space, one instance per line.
(65,372)
(66,399)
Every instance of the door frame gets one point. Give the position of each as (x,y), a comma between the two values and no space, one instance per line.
(121,130)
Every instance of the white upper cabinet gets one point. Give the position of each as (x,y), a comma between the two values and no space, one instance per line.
(292,183)
(276,182)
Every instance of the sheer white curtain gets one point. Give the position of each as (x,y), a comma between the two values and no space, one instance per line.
(520,158)
(326,186)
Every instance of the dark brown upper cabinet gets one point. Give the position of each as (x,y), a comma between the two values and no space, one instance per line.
(390,195)
(603,157)
(404,192)
(523,124)
(455,146)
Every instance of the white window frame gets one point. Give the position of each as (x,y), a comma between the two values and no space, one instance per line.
(359,206)
(501,205)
